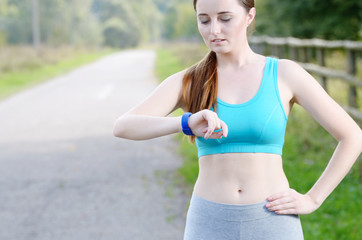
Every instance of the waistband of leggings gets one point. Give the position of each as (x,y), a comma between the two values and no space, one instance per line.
(231,212)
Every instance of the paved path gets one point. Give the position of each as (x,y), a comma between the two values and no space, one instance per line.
(64,176)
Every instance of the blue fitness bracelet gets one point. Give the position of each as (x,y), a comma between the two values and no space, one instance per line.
(185,124)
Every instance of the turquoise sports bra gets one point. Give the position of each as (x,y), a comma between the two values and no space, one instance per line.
(254,126)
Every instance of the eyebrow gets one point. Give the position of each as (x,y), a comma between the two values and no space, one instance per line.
(219,13)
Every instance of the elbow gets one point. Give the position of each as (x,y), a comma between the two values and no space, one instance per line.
(116,132)
(355,139)
(359,139)
(119,129)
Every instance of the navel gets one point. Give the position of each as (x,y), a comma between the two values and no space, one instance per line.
(240,191)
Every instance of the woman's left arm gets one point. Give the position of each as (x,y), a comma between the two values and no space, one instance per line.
(311,96)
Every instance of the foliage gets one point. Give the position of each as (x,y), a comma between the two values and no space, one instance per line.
(327,19)
(180,22)
(123,23)
(128,23)
(61,22)
(118,23)
(306,152)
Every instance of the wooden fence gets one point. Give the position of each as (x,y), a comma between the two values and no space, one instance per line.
(304,51)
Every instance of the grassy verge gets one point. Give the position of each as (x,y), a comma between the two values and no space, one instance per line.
(307,149)
(24,69)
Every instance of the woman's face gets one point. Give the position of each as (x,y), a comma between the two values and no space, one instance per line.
(223,23)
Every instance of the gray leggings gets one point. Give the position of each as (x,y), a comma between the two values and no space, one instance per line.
(207,220)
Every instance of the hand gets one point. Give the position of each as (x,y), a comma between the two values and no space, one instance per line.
(291,202)
(205,122)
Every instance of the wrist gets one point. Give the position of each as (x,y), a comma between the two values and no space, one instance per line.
(185,124)
(316,200)
(179,126)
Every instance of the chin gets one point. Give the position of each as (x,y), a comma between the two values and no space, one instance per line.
(221,50)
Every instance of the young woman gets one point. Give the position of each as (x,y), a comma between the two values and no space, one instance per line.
(240,103)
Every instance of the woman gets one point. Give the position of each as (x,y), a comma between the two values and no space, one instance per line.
(240,103)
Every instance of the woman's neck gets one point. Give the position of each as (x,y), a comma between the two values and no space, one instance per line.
(237,58)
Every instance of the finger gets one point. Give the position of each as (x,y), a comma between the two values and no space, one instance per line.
(220,134)
(210,126)
(279,201)
(282,207)
(225,128)
(213,118)
(210,130)
(216,135)
(218,123)
(215,121)
(278,195)
(286,211)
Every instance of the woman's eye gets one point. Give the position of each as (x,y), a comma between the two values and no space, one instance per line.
(204,21)
(225,19)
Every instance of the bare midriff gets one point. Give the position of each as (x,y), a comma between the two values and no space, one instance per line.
(240,178)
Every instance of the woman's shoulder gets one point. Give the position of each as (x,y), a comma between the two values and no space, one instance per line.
(295,77)
(287,65)
(289,70)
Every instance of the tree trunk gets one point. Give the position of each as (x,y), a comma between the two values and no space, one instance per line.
(36,31)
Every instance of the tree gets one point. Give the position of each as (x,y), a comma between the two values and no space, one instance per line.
(7,10)
(180,21)
(186,24)
(35,18)
(61,22)
(128,23)
(328,19)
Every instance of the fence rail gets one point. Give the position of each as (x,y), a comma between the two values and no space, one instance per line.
(299,51)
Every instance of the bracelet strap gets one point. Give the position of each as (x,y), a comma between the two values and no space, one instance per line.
(185,124)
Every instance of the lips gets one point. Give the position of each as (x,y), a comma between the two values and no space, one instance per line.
(218,40)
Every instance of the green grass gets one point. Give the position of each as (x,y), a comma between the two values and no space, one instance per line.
(307,149)
(167,64)
(26,73)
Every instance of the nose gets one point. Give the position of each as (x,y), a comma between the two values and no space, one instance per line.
(215,27)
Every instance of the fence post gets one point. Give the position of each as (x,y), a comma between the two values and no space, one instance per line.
(352,97)
(281,51)
(293,53)
(321,62)
(304,51)
(274,50)
(261,48)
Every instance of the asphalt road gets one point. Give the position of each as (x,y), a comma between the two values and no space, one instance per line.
(64,176)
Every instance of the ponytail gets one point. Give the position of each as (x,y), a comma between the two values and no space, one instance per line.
(199,85)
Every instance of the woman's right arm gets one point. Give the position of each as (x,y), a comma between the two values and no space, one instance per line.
(148,119)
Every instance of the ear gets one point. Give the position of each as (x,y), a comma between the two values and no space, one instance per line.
(251,15)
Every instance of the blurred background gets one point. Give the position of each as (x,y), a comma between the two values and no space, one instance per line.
(38,32)
(42,39)
(121,23)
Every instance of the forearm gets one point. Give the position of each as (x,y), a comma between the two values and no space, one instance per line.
(343,158)
(141,127)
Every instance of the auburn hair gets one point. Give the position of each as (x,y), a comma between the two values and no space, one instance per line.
(199,84)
